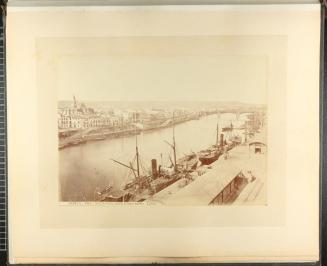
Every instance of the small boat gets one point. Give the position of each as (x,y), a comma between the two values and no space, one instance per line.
(100,138)
(106,190)
(96,137)
(228,128)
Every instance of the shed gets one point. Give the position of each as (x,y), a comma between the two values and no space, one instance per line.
(258,146)
(205,188)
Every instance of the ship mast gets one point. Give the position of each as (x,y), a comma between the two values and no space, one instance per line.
(173,145)
(127,166)
(174,148)
(217,135)
(136,171)
(137,160)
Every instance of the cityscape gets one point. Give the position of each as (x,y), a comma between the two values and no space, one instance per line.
(96,123)
(78,122)
(144,152)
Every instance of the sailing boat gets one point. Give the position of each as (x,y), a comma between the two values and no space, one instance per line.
(107,187)
(212,154)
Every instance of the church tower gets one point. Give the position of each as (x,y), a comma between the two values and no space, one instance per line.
(75,102)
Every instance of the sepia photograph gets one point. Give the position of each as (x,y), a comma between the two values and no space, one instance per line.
(163,127)
(164,134)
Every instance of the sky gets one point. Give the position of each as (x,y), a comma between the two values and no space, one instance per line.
(129,73)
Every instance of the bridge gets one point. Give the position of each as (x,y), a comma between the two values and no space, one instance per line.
(258,111)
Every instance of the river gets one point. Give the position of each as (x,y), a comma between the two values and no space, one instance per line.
(88,168)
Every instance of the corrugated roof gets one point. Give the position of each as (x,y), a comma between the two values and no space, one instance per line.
(206,187)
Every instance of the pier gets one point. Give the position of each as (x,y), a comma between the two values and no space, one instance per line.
(238,179)
(225,171)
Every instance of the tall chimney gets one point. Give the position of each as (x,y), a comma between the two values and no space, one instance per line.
(221,140)
(154,168)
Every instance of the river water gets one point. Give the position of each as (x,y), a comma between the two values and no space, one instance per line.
(88,168)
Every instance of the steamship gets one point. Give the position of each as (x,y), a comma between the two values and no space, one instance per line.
(210,157)
(144,186)
(212,154)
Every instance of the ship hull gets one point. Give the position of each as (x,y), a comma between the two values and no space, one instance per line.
(209,159)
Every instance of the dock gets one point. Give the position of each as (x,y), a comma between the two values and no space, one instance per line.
(218,182)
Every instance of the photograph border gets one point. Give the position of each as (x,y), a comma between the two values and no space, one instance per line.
(323,161)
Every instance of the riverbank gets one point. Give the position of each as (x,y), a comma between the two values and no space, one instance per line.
(82,136)
(94,134)
(86,169)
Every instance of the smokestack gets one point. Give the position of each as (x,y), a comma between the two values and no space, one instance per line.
(154,168)
(221,140)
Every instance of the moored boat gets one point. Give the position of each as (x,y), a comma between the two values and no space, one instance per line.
(212,154)
(96,137)
(143,186)
(210,157)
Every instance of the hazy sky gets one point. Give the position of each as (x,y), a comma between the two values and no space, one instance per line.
(162,77)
